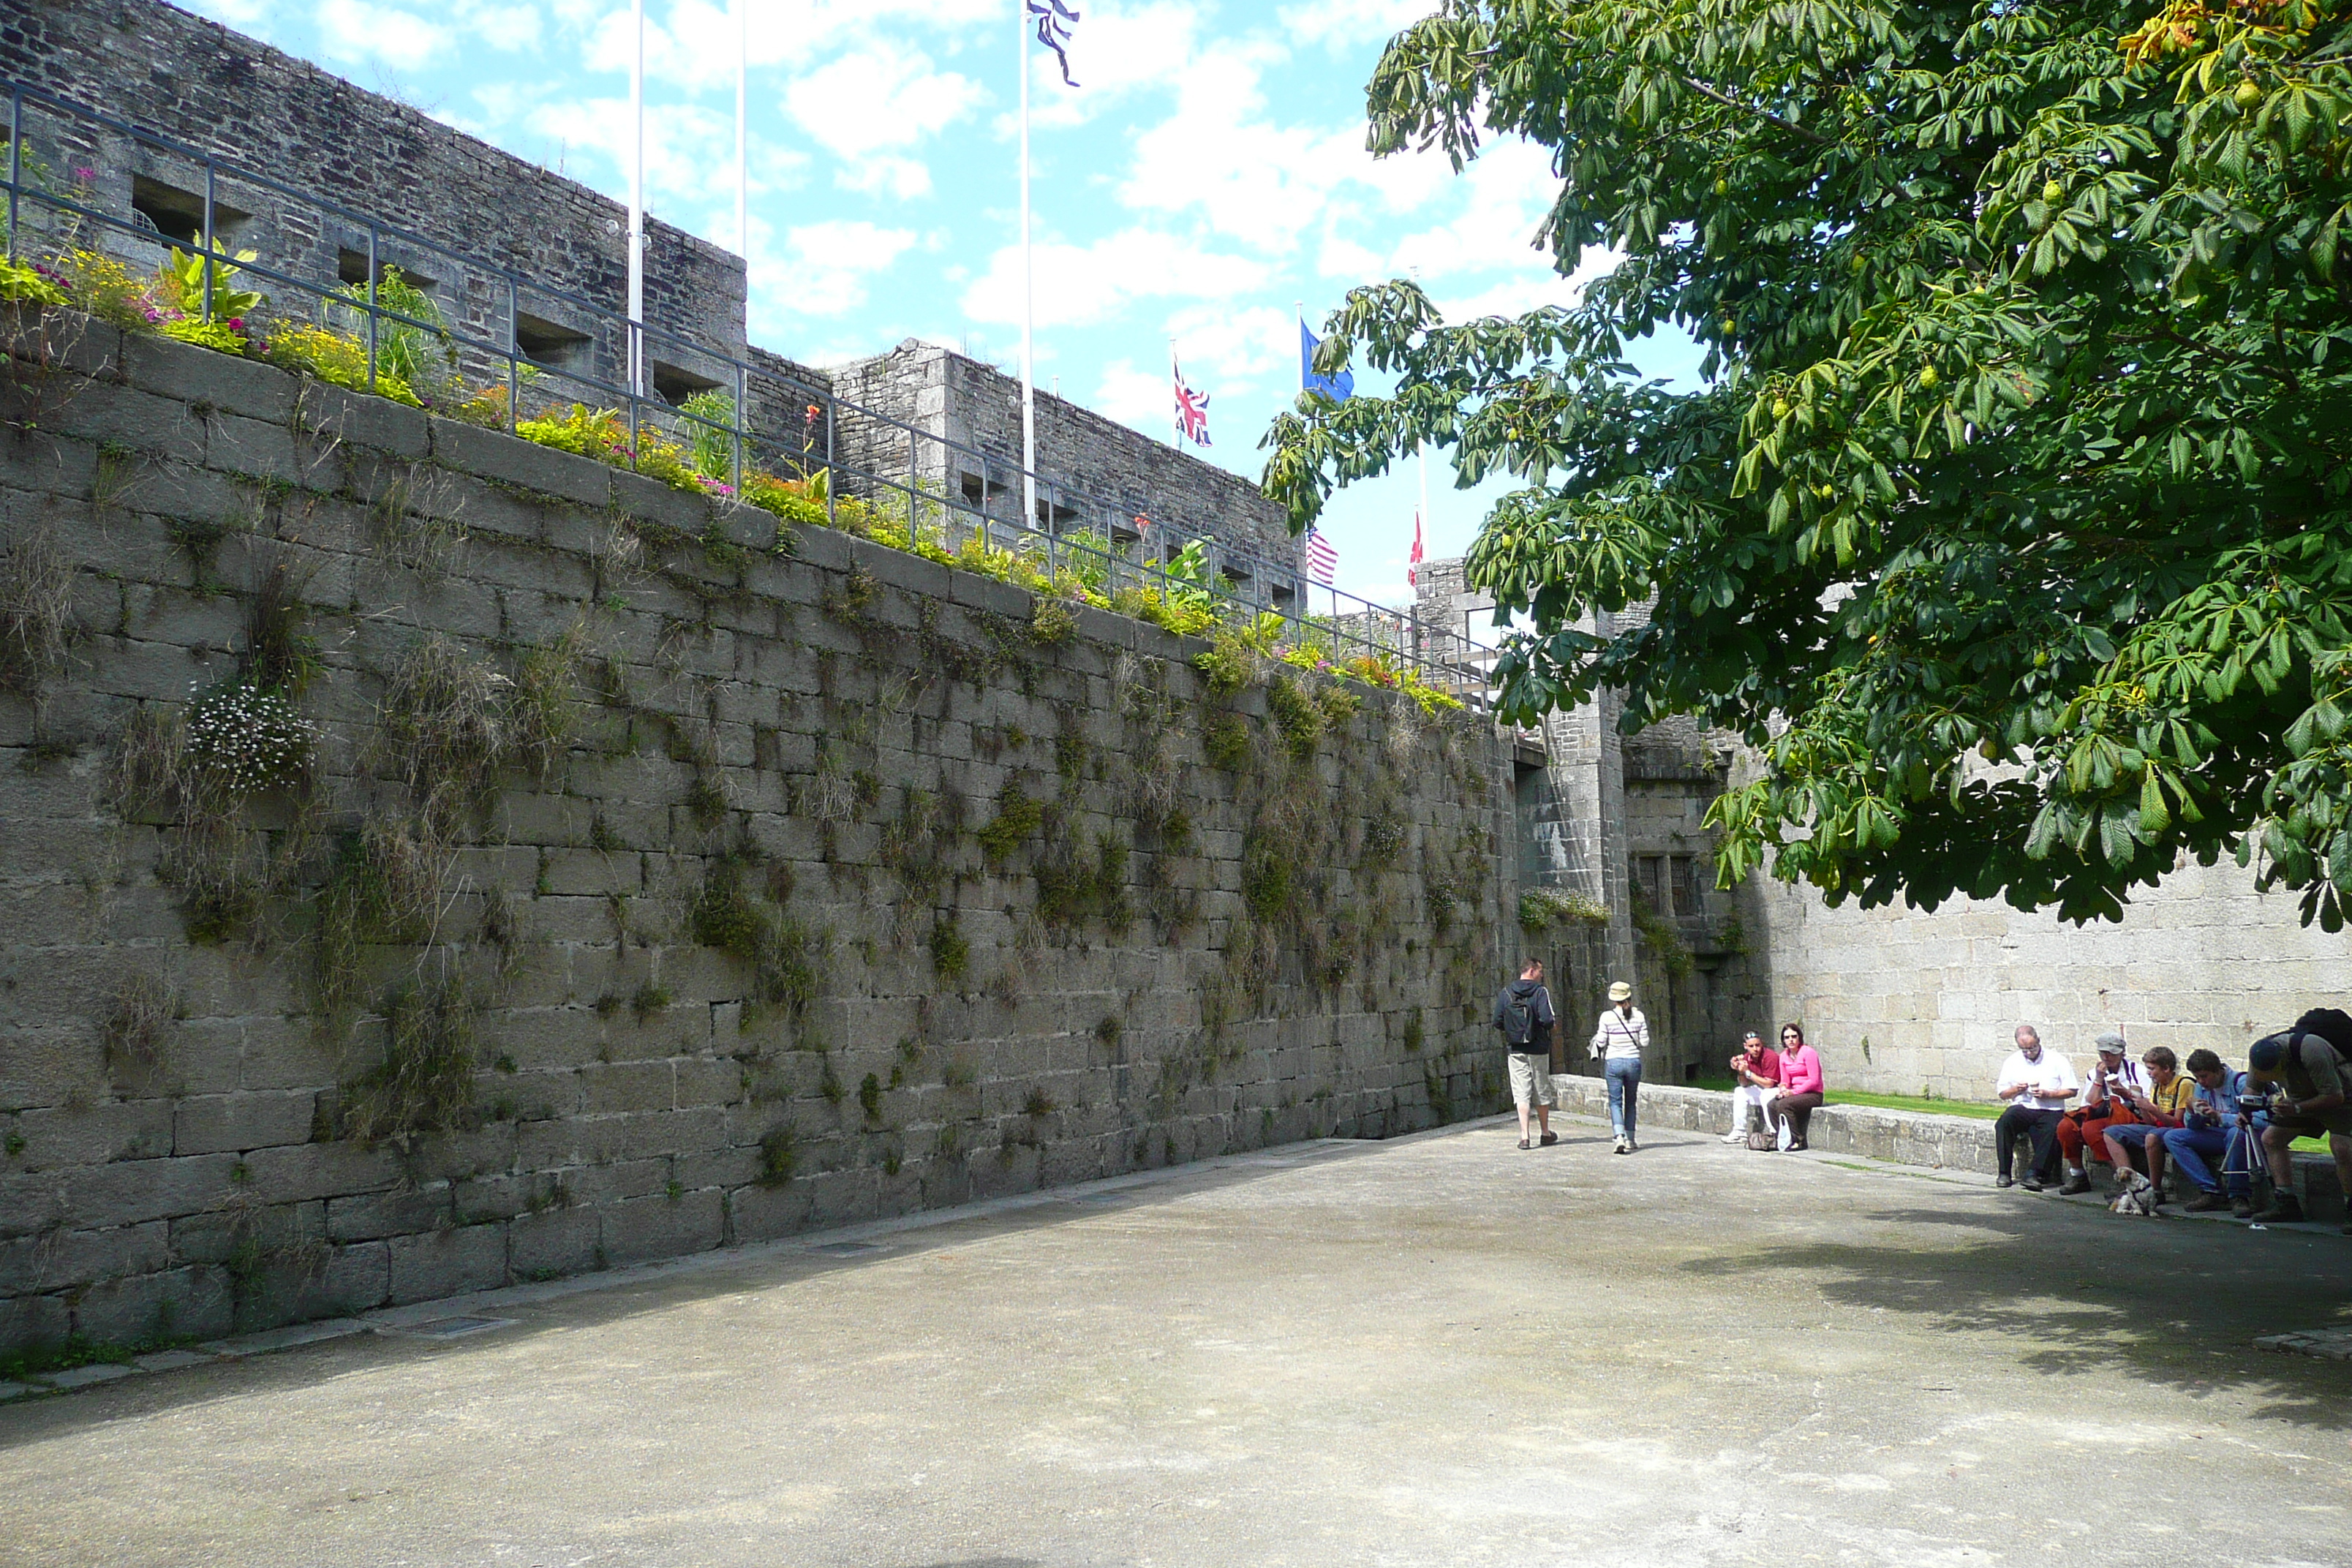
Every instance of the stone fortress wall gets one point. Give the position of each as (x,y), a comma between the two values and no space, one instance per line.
(199,83)
(1909,1002)
(1900,1001)
(650,890)
(1118,480)
(202,85)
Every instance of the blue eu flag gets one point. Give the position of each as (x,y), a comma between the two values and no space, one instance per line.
(1338,388)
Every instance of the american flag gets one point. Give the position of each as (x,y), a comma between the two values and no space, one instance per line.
(1191,409)
(1322,560)
(1053,23)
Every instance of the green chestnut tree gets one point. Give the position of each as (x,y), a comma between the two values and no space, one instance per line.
(2009,522)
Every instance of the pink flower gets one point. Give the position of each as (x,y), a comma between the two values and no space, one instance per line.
(86,176)
(236,323)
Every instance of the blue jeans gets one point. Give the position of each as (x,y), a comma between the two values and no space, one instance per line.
(1624,1075)
(2190,1147)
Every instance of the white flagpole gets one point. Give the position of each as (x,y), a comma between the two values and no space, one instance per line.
(1175,408)
(638,200)
(743,149)
(1028,293)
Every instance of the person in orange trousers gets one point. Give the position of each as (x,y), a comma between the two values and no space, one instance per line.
(2107,1097)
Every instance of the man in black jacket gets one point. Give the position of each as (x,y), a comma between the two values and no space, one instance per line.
(1523,1011)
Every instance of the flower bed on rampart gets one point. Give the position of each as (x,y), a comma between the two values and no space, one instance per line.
(414,363)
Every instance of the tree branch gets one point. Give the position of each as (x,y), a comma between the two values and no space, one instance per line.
(1724,98)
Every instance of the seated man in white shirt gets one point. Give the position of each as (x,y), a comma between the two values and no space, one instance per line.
(2035,1085)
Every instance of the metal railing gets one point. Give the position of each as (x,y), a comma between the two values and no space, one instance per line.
(845,447)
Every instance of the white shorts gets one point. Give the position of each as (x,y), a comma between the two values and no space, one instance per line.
(1531,1078)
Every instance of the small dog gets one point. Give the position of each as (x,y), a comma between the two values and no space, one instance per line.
(2139,1197)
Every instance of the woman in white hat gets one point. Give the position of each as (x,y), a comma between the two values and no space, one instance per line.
(1619,1041)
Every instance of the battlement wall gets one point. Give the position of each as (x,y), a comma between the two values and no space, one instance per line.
(429,861)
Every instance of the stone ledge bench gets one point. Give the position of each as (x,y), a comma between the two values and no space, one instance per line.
(1900,1137)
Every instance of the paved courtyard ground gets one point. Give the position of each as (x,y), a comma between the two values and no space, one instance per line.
(1434,1351)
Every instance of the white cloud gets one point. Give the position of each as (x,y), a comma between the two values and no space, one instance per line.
(884,173)
(353,30)
(692,43)
(867,100)
(1143,399)
(823,269)
(1083,284)
(1114,53)
(1343,22)
(510,27)
(246,15)
(1231,347)
(685,168)
(1506,193)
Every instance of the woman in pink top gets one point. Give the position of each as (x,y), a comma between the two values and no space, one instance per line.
(1801,1088)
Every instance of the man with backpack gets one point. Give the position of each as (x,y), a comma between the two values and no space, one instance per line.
(2305,1073)
(1523,1011)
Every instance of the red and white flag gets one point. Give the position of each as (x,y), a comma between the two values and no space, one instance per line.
(1413,561)
(1192,409)
(1322,560)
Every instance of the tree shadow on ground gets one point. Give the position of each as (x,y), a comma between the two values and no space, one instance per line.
(2177,1303)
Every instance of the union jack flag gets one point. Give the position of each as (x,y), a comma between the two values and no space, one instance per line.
(1192,410)
(1053,23)
(1322,558)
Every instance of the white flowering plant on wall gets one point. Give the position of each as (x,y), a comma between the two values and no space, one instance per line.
(249,739)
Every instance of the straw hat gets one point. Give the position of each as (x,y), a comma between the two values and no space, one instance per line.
(1621,991)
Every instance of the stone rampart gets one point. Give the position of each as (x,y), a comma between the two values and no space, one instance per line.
(647,889)
(1906,1001)
(237,99)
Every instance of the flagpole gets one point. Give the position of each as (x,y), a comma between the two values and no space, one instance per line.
(1176,408)
(1028,291)
(638,201)
(1301,307)
(743,151)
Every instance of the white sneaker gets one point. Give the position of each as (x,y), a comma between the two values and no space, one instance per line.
(1735,1137)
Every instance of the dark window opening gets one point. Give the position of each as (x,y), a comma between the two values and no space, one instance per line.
(1649,880)
(975,490)
(178,215)
(352,267)
(545,343)
(675,384)
(1235,575)
(1689,897)
(1284,595)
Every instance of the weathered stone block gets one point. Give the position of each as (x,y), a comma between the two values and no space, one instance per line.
(450,1262)
(370,1216)
(197,376)
(508,459)
(357,419)
(208,1124)
(662,1226)
(557,1241)
(252,448)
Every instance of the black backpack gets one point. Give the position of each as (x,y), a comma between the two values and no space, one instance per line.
(2330,1024)
(1518,1018)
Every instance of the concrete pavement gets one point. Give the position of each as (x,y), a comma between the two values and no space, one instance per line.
(1438,1349)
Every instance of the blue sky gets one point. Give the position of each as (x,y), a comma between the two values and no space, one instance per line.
(1209,173)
